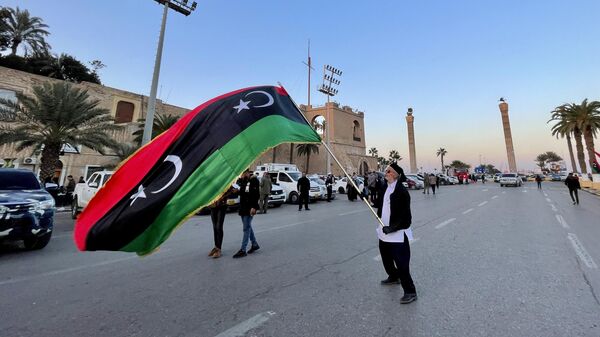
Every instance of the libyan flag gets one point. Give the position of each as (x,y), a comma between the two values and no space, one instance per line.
(187,167)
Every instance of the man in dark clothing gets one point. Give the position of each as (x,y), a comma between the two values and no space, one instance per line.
(249,195)
(572,183)
(393,207)
(303,188)
(538,180)
(218,209)
(329,183)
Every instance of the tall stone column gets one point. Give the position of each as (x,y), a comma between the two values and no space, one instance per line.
(412,153)
(510,151)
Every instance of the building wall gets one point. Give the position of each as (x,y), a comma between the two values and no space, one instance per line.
(80,164)
(347,143)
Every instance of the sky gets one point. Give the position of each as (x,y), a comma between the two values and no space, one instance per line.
(449,60)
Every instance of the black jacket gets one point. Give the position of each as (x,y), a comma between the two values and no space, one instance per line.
(248,195)
(572,183)
(303,185)
(400,216)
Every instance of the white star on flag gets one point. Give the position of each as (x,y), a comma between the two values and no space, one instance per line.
(242,106)
(139,194)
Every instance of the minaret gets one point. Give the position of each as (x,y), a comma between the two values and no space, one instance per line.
(411,140)
(510,151)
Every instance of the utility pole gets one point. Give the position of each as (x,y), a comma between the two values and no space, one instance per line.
(328,89)
(179,6)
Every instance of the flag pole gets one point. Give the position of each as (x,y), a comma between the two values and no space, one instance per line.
(339,164)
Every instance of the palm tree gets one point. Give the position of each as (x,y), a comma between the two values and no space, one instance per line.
(441,152)
(373,152)
(564,130)
(55,115)
(306,149)
(160,124)
(394,156)
(23,28)
(584,121)
(123,151)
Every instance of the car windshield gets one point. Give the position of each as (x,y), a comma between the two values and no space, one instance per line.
(294,175)
(18,181)
(509,175)
(318,180)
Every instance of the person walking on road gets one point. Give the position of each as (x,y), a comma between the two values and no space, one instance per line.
(303,188)
(329,184)
(538,180)
(249,194)
(265,191)
(425,183)
(432,182)
(572,183)
(218,209)
(394,210)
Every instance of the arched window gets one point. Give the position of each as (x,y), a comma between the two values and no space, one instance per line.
(356,132)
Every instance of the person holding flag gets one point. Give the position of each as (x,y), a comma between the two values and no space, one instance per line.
(393,208)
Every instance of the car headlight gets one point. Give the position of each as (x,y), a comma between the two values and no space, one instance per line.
(42,205)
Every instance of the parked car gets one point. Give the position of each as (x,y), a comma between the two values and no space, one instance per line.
(510,179)
(288,181)
(26,209)
(555,177)
(84,192)
(340,184)
(418,182)
(322,187)
(497,177)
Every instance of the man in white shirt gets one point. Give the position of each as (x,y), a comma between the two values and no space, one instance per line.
(394,210)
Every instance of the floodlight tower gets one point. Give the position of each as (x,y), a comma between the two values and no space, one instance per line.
(180,6)
(329,81)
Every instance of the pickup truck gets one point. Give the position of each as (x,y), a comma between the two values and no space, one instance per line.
(84,192)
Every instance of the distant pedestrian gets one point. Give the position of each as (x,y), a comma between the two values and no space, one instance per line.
(394,210)
(265,191)
(538,180)
(437,182)
(329,184)
(249,194)
(483,178)
(81,180)
(432,180)
(572,183)
(303,189)
(425,183)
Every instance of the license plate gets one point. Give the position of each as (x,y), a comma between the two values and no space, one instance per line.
(230,202)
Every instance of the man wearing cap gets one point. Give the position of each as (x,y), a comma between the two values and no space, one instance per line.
(394,210)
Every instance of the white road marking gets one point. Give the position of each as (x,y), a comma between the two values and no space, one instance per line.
(545,194)
(548,200)
(553,207)
(468,211)
(503,192)
(444,223)
(561,221)
(483,203)
(247,325)
(284,226)
(581,252)
(485,189)
(68,270)
(494,197)
(524,191)
(352,212)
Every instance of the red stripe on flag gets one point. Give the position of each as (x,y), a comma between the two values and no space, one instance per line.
(132,172)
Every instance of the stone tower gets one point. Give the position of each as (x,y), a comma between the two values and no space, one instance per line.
(412,153)
(510,151)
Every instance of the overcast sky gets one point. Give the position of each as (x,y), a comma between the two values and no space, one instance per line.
(449,60)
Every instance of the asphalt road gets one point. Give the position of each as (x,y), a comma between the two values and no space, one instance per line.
(487,261)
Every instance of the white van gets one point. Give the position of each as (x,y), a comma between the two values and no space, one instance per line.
(288,181)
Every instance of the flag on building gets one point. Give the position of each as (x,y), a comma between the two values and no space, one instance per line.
(595,165)
(187,167)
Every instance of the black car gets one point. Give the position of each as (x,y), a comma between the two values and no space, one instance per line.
(26,209)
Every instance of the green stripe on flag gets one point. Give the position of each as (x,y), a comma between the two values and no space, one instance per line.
(217,173)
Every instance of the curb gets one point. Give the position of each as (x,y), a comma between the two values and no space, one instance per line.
(592,191)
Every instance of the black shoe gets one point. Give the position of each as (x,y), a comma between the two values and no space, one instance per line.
(253,249)
(389,281)
(308,209)
(240,253)
(299,209)
(407,298)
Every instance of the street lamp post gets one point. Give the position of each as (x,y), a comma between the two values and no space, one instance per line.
(329,81)
(180,6)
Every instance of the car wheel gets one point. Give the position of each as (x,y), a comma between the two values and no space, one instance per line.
(341,190)
(37,242)
(501,185)
(293,198)
(74,208)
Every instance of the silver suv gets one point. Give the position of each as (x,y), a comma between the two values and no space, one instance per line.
(510,179)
